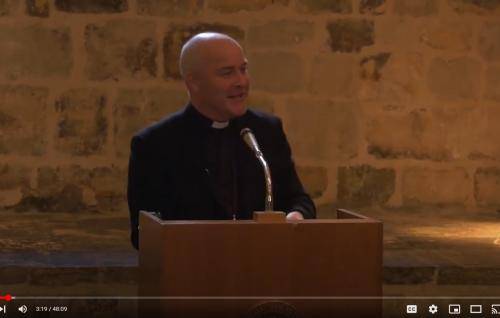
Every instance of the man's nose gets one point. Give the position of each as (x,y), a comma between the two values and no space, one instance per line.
(242,78)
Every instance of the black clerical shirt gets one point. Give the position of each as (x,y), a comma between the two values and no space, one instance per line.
(220,156)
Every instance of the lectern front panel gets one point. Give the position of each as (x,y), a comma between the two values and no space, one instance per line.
(306,261)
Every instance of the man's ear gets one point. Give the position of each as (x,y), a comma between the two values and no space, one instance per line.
(192,82)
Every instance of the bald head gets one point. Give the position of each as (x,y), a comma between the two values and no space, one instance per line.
(214,69)
(195,49)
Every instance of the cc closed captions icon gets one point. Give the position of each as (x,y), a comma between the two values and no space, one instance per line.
(411,309)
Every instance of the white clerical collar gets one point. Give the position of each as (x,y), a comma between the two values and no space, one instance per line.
(220,124)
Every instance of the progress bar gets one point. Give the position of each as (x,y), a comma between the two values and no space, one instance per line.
(250,297)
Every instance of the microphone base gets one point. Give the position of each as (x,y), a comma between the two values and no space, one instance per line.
(269,216)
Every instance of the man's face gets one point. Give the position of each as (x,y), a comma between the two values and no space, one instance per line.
(221,82)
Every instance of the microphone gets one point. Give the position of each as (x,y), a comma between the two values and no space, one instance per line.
(249,138)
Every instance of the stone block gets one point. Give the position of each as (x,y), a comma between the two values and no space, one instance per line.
(57,191)
(364,185)
(489,41)
(108,185)
(454,79)
(397,32)
(73,189)
(492,91)
(375,7)
(314,179)
(480,128)
(261,103)
(11,275)
(10,198)
(371,66)
(469,276)
(136,109)
(82,126)
(23,120)
(120,275)
(231,6)
(277,71)
(121,49)
(435,187)
(35,51)
(487,186)
(392,77)
(409,275)
(177,35)
(444,34)
(14,181)
(100,308)
(325,6)
(322,129)
(8,7)
(49,179)
(426,133)
(416,8)
(282,33)
(37,8)
(334,75)
(475,6)
(350,35)
(13,176)
(92,6)
(169,8)
(58,277)
(326,210)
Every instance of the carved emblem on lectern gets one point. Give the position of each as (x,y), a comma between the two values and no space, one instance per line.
(273,309)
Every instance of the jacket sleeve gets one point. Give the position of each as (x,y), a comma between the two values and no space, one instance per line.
(137,188)
(149,183)
(288,190)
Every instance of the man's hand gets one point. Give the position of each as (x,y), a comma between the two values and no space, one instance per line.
(294,215)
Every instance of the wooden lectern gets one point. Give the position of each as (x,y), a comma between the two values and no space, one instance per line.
(245,268)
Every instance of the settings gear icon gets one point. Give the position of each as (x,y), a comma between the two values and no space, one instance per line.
(433,309)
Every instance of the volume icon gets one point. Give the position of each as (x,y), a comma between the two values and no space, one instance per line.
(23,309)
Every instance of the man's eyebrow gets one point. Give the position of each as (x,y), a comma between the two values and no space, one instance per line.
(227,68)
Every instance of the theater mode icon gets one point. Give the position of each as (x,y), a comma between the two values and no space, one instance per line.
(476,309)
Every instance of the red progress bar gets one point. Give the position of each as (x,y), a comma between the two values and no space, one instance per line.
(7,297)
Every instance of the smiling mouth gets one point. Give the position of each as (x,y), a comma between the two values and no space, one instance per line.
(238,96)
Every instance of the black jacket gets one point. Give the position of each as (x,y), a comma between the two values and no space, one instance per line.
(168,170)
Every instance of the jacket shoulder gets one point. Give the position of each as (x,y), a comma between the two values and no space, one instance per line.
(262,118)
(162,128)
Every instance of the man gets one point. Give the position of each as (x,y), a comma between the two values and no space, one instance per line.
(194,164)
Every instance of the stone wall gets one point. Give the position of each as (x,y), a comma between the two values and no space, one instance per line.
(385,102)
